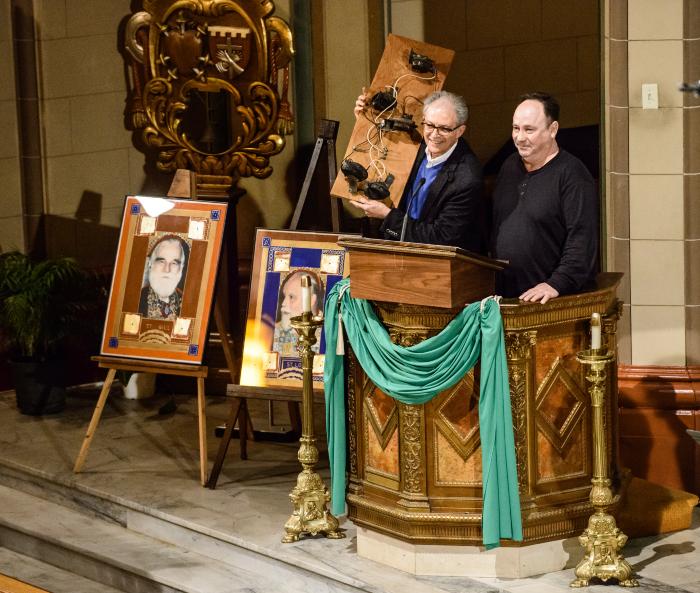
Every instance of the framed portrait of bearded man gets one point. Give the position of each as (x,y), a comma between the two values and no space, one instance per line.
(164,279)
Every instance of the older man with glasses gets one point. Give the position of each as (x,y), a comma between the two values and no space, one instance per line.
(442,202)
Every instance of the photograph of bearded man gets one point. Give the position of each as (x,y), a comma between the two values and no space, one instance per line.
(164,278)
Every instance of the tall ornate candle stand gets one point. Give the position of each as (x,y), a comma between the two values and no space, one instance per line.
(310,496)
(602,540)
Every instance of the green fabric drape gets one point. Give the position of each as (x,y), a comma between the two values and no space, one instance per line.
(415,375)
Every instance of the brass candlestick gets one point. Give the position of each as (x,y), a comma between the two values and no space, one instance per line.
(602,540)
(310,496)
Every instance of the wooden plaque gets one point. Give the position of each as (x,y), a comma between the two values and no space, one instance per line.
(400,147)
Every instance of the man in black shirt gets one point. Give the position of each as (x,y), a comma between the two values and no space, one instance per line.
(545,210)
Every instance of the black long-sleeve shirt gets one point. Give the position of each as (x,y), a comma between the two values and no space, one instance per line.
(545,223)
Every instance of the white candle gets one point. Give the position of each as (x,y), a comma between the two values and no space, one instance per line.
(306,293)
(595,331)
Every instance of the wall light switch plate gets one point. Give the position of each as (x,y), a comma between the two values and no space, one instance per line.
(650,95)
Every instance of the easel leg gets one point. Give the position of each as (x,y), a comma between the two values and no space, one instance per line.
(201,413)
(223,445)
(82,455)
(244,423)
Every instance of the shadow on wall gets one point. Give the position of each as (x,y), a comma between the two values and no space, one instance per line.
(82,237)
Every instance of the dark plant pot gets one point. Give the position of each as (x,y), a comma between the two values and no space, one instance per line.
(39,387)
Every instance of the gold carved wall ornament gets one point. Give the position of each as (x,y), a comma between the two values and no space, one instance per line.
(210,83)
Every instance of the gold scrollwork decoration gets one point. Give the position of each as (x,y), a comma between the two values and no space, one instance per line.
(210,83)
(411,446)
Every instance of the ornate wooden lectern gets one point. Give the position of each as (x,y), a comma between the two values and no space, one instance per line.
(415,471)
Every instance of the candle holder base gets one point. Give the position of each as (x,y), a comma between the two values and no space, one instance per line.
(603,541)
(311,516)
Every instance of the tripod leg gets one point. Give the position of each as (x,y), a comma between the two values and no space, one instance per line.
(80,460)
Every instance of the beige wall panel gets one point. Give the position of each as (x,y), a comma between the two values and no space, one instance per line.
(617,75)
(569,18)
(692,206)
(447,23)
(56,126)
(657,272)
(407,19)
(519,21)
(347,65)
(69,177)
(619,261)
(692,335)
(692,273)
(624,337)
(655,19)
(618,201)
(617,140)
(659,62)
(656,207)
(617,11)
(658,335)
(656,141)
(588,54)
(97,122)
(478,76)
(691,69)
(11,233)
(81,66)
(95,17)
(691,17)
(137,174)
(691,131)
(50,16)
(543,66)
(7,72)
(8,127)
(10,184)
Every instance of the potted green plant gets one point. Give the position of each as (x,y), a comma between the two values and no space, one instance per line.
(40,303)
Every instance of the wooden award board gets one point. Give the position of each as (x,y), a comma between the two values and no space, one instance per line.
(413,87)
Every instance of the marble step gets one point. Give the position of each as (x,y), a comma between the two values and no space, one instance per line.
(54,579)
(191,535)
(136,563)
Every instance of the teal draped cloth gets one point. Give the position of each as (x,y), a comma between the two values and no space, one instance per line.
(415,375)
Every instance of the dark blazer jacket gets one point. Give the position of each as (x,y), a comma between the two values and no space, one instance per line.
(453,210)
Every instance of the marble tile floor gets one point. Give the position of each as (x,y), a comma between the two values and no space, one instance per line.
(142,473)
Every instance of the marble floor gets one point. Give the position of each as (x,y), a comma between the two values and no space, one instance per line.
(147,462)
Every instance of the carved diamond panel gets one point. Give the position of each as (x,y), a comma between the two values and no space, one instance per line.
(457,416)
(560,406)
(381,411)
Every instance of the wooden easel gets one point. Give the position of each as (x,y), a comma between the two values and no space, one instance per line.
(115,364)
(327,135)
(185,184)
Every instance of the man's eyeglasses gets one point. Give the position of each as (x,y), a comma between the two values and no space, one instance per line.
(441,130)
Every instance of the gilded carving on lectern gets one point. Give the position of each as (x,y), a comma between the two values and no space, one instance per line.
(210,80)
(519,351)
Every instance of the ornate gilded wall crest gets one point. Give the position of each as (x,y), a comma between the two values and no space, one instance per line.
(210,80)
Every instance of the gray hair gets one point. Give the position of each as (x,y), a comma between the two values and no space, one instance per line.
(457,102)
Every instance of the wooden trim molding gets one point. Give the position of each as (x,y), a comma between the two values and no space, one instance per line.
(657,404)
